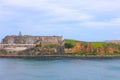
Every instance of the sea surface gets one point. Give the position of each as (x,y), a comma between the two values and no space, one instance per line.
(59,69)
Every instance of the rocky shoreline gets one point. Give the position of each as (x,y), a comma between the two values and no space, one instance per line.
(63,57)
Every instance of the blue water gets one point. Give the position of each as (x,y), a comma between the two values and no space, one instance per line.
(34,69)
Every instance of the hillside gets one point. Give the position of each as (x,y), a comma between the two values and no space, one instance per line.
(92,48)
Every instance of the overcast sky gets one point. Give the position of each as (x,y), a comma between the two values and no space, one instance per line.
(86,20)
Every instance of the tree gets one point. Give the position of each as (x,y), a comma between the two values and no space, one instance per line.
(68,45)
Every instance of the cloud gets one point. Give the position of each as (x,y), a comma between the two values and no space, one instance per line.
(63,10)
(67,10)
(51,9)
(76,17)
(112,23)
(116,20)
(99,5)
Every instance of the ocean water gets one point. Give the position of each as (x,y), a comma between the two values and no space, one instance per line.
(61,69)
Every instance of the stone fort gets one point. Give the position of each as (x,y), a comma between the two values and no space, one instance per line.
(27,41)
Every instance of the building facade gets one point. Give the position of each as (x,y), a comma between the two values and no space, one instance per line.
(27,39)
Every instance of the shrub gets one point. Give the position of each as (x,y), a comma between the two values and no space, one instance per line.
(38,45)
(50,45)
(68,45)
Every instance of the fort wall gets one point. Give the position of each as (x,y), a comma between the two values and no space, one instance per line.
(31,39)
(22,42)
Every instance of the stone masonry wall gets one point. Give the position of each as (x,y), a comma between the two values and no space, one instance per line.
(31,39)
(25,42)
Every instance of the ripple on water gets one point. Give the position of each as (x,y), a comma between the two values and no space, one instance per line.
(72,69)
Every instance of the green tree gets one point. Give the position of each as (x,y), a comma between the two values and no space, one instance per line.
(68,45)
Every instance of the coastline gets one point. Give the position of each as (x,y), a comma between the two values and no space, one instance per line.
(63,57)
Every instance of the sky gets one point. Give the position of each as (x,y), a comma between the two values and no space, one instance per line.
(85,20)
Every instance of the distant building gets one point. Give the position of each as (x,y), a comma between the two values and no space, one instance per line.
(28,39)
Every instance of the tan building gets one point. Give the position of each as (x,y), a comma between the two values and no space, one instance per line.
(28,39)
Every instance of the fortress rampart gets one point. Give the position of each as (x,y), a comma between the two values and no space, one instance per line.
(31,39)
(21,42)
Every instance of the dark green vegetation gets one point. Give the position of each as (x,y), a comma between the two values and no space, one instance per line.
(72,42)
(68,45)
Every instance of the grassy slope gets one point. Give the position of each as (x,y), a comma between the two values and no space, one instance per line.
(70,41)
(94,44)
(97,44)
